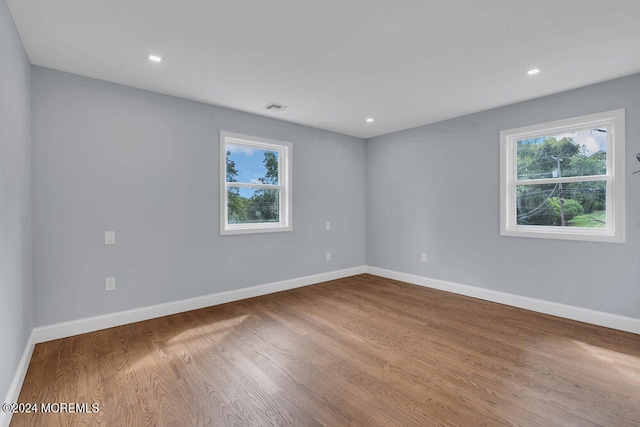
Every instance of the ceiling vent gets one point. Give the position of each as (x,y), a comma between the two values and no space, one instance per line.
(274,106)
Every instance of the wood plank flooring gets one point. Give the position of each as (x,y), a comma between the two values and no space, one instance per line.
(361,351)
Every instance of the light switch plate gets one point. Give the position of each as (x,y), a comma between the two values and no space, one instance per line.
(109,283)
(109,237)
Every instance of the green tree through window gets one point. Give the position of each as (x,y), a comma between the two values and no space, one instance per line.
(256,183)
(565,179)
(262,205)
(555,157)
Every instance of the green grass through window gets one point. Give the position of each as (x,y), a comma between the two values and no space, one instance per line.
(595,219)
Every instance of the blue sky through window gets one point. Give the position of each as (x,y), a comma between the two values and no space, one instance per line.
(249,164)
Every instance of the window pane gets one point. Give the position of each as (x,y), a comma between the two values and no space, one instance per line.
(252,205)
(251,165)
(583,204)
(579,153)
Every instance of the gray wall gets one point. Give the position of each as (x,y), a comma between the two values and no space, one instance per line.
(16,302)
(109,157)
(435,189)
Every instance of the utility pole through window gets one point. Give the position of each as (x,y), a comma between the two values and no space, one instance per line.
(559,159)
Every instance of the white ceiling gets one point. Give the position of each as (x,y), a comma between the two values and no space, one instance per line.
(337,62)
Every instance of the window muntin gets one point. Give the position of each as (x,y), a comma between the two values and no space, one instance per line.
(564,179)
(256,190)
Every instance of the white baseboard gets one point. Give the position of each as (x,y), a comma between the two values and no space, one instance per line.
(18,379)
(90,324)
(600,318)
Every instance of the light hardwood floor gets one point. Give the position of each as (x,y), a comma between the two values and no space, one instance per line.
(363,351)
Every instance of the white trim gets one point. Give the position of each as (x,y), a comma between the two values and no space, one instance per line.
(254,185)
(18,378)
(600,318)
(285,150)
(90,324)
(614,178)
(564,180)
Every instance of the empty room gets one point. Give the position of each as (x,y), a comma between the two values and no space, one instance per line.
(336,213)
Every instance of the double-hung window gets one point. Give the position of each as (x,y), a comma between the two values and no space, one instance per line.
(255,184)
(564,179)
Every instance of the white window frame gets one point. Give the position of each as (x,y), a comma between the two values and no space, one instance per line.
(614,178)
(284,150)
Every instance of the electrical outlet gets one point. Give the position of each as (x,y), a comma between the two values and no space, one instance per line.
(109,237)
(327,226)
(327,256)
(423,257)
(109,283)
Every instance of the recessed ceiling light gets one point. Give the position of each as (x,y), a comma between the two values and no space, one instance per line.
(369,120)
(533,71)
(154,58)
